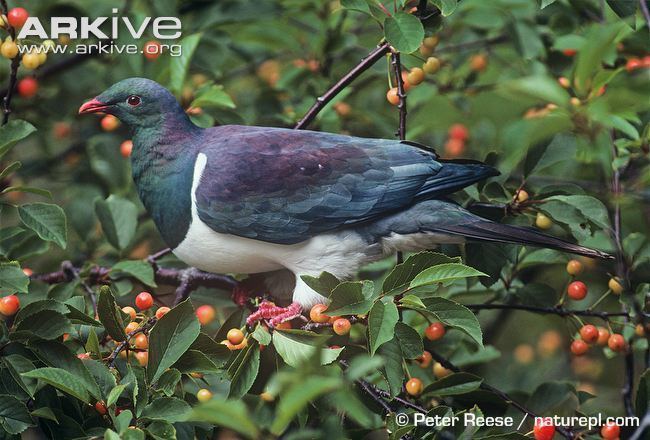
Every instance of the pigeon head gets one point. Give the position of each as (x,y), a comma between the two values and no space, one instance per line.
(138,103)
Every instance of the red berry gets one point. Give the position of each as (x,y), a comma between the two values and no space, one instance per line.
(125,148)
(616,342)
(579,347)
(17,17)
(141,341)
(144,301)
(435,331)
(414,387)
(83,356)
(454,147)
(633,64)
(603,336)
(100,407)
(341,326)
(458,131)
(110,123)
(577,290)
(152,50)
(316,314)
(425,360)
(205,314)
(589,333)
(9,305)
(27,87)
(543,430)
(129,311)
(569,52)
(162,311)
(610,431)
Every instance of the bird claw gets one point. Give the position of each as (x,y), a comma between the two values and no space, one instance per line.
(274,314)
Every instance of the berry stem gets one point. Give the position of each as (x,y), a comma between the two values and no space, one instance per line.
(599,300)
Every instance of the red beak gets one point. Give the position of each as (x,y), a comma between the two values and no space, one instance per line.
(93,106)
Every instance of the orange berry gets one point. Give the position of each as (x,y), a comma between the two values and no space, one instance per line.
(61,130)
(424,360)
(144,301)
(131,327)
(579,347)
(639,330)
(458,131)
(142,357)
(405,82)
(616,342)
(126,148)
(130,311)
(564,82)
(205,314)
(569,52)
(9,305)
(341,326)
(435,331)
(610,431)
(286,325)
(415,76)
(440,371)
(152,50)
(392,96)
(589,333)
(414,387)
(478,62)
(524,354)
(431,65)
(28,272)
(235,336)
(342,108)
(633,64)
(162,311)
(603,336)
(83,356)
(110,123)
(316,314)
(574,267)
(454,147)
(141,341)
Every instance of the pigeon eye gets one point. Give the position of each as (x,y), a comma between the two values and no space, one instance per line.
(133,101)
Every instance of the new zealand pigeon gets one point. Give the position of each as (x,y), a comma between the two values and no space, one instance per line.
(237,199)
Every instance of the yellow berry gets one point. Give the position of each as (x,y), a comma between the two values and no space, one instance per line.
(615,286)
(543,222)
(415,76)
(203,395)
(431,42)
(431,65)
(31,61)
(9,49)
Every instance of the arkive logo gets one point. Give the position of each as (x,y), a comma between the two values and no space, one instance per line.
(164,28)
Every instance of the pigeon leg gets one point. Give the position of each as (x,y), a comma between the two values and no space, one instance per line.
(275,315)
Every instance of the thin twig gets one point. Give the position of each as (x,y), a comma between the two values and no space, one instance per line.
(645,12)
(401,93)
(560,311)
(144,328)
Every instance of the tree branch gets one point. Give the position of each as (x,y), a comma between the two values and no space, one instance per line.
(144,328)
(401,93)
(560,311)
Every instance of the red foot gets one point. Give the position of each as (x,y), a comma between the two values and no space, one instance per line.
(275,315)
(240,295)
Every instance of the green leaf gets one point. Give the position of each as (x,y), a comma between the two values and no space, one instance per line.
(45,413)
(297,347)
(193,361)
(168,381)
(393,370)
(453,385)
(356,5)
(179,66)
(404,32)
(351,298)
(138,269)
(642,402)
(92,344)
(623,8)
(410,341)
(47,220)
(232,414)
(537,88)
(170,337)
(45,324)
(298,396)
(14,416)
(16,365)
(170,409)
(381,324)
(61,379)
(12,132)
(115,394)
(403,273)
(109,315)
(323,285)
(12,278)
(119,219)
(444,274)
(38,306)
(447,7)
(562,146)
(600,39)
(590,207)
(161,430)
(455,315)
(10,169)
(261,335)
(243,370)
(214,96)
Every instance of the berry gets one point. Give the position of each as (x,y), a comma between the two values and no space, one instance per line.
(458,131)
(564,82)
(524,354)
(83,356)
(521,196)
(589,333)
(129,311)
(575,102)
(9,305)
(603,336)
(142,357)
(9,49)
(17,17)
(639,330)
(267,397)
(414,387)
(405,81)
(342,108)
(543,429)
(28,272)
(196,375)
(415,76)
(131,327)
(579,347)
(392,96)
(610,431)
(316,314)
(543,222)
(126,147)
(425,51)
(235,336)
(577,290)
(31,61)
(141,341)
(144,301)
(616,342)
(61,130)
(431,42)
(27,87)
(454,147)
(152,50)
(569,52)
(203,395)
(633,64)
(110,123)
(435,331)
(440,371)
(162,311)
(424,360)
(100,407)
(205,314)
(286,325)
(431,65)
(341,326)
(574,267)
(615,286)
(478,63)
